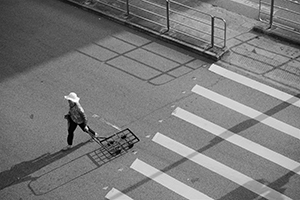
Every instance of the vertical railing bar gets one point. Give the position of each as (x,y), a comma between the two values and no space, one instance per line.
(127,7)
(212,31)
(259,9)
(271,14)
(224,29)
(225,33)
(168,14)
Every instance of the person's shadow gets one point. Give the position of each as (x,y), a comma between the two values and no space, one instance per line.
(21,172)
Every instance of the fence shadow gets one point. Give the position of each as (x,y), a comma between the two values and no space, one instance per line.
(278,185)
(241,192)
(21,172)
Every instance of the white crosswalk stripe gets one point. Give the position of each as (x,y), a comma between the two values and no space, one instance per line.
(237,140)
(247,111)
(219,168)
(167,181)
(255,85)
(115,194)
(224,171)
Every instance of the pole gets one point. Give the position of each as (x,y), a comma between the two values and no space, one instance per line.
(271,13)
(168,17)
(127,7)
(212,31)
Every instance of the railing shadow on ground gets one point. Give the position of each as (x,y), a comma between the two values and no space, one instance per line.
(172,18)
(278,185)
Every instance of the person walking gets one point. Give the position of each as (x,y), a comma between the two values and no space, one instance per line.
(76,116)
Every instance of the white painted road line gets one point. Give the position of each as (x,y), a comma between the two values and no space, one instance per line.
(115,194)
(167,181)
(237,140)
(110,124)
(247,111)
(255,85)
(218,168)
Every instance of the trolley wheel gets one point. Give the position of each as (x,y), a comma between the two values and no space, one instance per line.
(110,143)
(117,152)
(123,137)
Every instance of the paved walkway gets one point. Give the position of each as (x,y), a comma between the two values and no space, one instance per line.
(250,52)
(255,55)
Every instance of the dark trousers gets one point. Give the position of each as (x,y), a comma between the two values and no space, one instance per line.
(71,128)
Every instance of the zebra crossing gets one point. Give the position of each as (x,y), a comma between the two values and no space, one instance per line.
(170,144)
(167,181)
(249,112)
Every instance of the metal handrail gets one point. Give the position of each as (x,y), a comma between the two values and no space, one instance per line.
(129,8)
(212,22)
(225,28)
(292,24)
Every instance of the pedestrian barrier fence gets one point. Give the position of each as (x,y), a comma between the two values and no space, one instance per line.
(171,15)
(282,13)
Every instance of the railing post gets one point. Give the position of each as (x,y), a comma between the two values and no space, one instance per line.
(127,7)
(271,13)
(168,14)
(259,9)
(212,34)
(225,33)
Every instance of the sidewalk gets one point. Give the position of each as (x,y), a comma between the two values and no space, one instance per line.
(249,49)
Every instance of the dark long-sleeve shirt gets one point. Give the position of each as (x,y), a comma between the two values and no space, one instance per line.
(77,114)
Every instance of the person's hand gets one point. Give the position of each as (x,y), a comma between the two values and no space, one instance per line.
(86,128)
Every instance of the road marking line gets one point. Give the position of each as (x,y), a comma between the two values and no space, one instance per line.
(247,111)
(115,194)
(218,168)
(255,85)
(167,181)
(237,140)
(110,124)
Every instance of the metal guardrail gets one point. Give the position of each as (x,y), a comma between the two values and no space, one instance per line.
(212,23)
(287,17)
(206,28)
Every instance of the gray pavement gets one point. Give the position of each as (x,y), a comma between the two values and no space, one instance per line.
(55,49)
(48,173)
(250,49)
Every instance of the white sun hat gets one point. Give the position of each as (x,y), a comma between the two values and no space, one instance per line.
(72,97)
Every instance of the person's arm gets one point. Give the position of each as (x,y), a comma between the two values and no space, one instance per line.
(83,117)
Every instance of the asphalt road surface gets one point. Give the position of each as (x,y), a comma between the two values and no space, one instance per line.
(205,133)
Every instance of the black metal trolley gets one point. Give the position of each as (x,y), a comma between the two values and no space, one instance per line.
(113,145)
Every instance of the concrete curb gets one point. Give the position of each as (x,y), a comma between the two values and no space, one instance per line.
(278,33)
